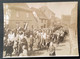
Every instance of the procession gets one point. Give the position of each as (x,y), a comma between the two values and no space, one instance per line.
(21,40)
(37,30)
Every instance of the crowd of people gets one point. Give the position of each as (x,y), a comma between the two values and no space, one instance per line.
(20,41)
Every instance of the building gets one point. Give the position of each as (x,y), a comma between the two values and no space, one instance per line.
(57,21)
(65,20)
(41,18)
(6,14)
(20,13)
(74,18)
(50,15)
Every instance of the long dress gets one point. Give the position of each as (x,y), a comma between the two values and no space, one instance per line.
(51,49)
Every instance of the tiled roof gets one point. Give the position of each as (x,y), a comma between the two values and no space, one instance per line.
(45,8)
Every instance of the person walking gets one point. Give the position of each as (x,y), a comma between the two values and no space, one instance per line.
(52,49)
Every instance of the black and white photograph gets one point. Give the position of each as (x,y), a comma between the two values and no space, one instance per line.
(40,29)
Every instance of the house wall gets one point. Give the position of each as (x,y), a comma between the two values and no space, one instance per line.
(21,17)
(66,20)
(74,18)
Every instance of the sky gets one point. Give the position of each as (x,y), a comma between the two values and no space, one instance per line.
(59,8)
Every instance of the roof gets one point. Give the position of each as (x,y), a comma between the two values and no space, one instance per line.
(39,13)
(45,8)
(19,6)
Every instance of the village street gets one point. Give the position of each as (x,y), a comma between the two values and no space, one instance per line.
(38,31)
(62,50)
(66,48)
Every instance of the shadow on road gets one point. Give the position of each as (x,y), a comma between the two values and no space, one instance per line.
(36,52)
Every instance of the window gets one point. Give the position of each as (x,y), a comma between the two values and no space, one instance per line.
(17,14)
(7,16)
(6,19)
(27,14)
(41,27)
(34,13)
(41,21)
(44,25)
